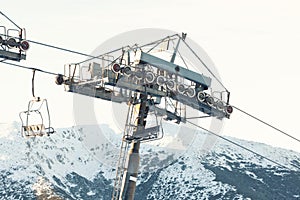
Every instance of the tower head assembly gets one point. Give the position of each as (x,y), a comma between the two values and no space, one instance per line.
(146,70)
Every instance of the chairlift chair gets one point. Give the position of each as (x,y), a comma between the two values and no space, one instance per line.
(33,121)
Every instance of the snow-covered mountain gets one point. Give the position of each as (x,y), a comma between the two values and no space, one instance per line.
(79,163)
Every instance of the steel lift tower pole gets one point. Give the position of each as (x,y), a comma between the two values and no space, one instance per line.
(133,158)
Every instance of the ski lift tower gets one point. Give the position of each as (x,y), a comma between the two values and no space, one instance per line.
(144,81)
(13,43)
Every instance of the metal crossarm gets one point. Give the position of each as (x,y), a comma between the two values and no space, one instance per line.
(204,81)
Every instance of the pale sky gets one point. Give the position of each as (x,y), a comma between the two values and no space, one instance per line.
(254,45)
